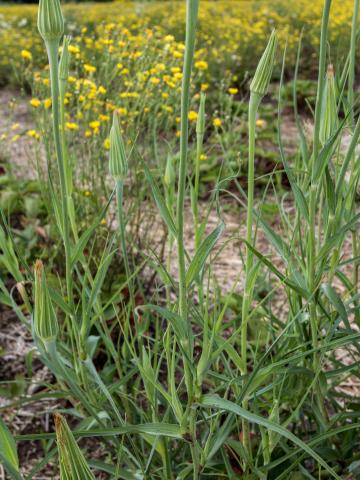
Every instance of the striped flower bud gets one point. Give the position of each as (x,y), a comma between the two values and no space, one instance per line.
(200,124)
(72,461)
(262,77)
(50,20)
(170,175)
(118,164)
(330,118)
(64,60)
(45,321)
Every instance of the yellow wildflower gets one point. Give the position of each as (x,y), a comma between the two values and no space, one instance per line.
(106,143)
(35,102)
(192,115)
(89,68)
(233,90)
(217,122)
(201,65)
(26,54)
(72,126)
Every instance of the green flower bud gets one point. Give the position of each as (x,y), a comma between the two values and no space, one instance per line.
(262,77)
(64,60)
(330,118)
(118,164)
(72,461)
(200,124)
(170,175)
(45,321)
(50,20)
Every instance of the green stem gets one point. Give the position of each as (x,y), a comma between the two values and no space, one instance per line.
(351,80)
(52,47)
(120,211)
(311,271)
(254,103)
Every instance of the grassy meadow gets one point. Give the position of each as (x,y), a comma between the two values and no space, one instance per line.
(179,240)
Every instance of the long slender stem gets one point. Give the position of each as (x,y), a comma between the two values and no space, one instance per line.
(351,80)
(52,50)
(192,7)
(311,271)
(254,103)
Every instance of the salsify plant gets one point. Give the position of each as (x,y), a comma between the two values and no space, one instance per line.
(191,381)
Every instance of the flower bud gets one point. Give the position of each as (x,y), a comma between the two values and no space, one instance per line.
(200,124)
(262,77)
(72,461)
(169,177)
(118,164)
(50,20)
(45,321)
(64,60)
(330,118)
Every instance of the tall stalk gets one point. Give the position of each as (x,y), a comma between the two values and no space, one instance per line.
(258,89)
(52,47)
(311,270)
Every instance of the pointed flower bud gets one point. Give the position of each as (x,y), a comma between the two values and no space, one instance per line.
(330,117)
(72,461)
(200,124)
(45,321)
(50,20)
(262,77)
(64,60)
(169,177)
(118,164)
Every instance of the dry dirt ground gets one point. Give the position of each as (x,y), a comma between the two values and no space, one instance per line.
(17,353)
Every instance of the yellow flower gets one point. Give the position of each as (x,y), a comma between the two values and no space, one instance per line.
(35,102)
(33,134)
(47,103)
(125,71)
(94,125)
(201,65)
(260,123)
(204,87)
(203,156)
(192,115)
(233,90)
(88,133)
(89,68)
(72,126)
(103,221)
(73,49)
(87,193)
(15,126)
(15,138)
(71,79)
(122,111)
(104,118)
(154,80)
(107,145)
(102,90)
(26,54)
(217,122)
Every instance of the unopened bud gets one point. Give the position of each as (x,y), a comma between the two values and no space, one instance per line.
(200,124)
(118,164)
(50,20)
(262,77)
(45,321)
(72,461)
(330,118)
(169,177)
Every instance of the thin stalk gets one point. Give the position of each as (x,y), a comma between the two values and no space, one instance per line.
(52,48)
(254,103)
(191,19)
(120,214)
(311,271)
(351,84)
(192,7)
(352,57)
